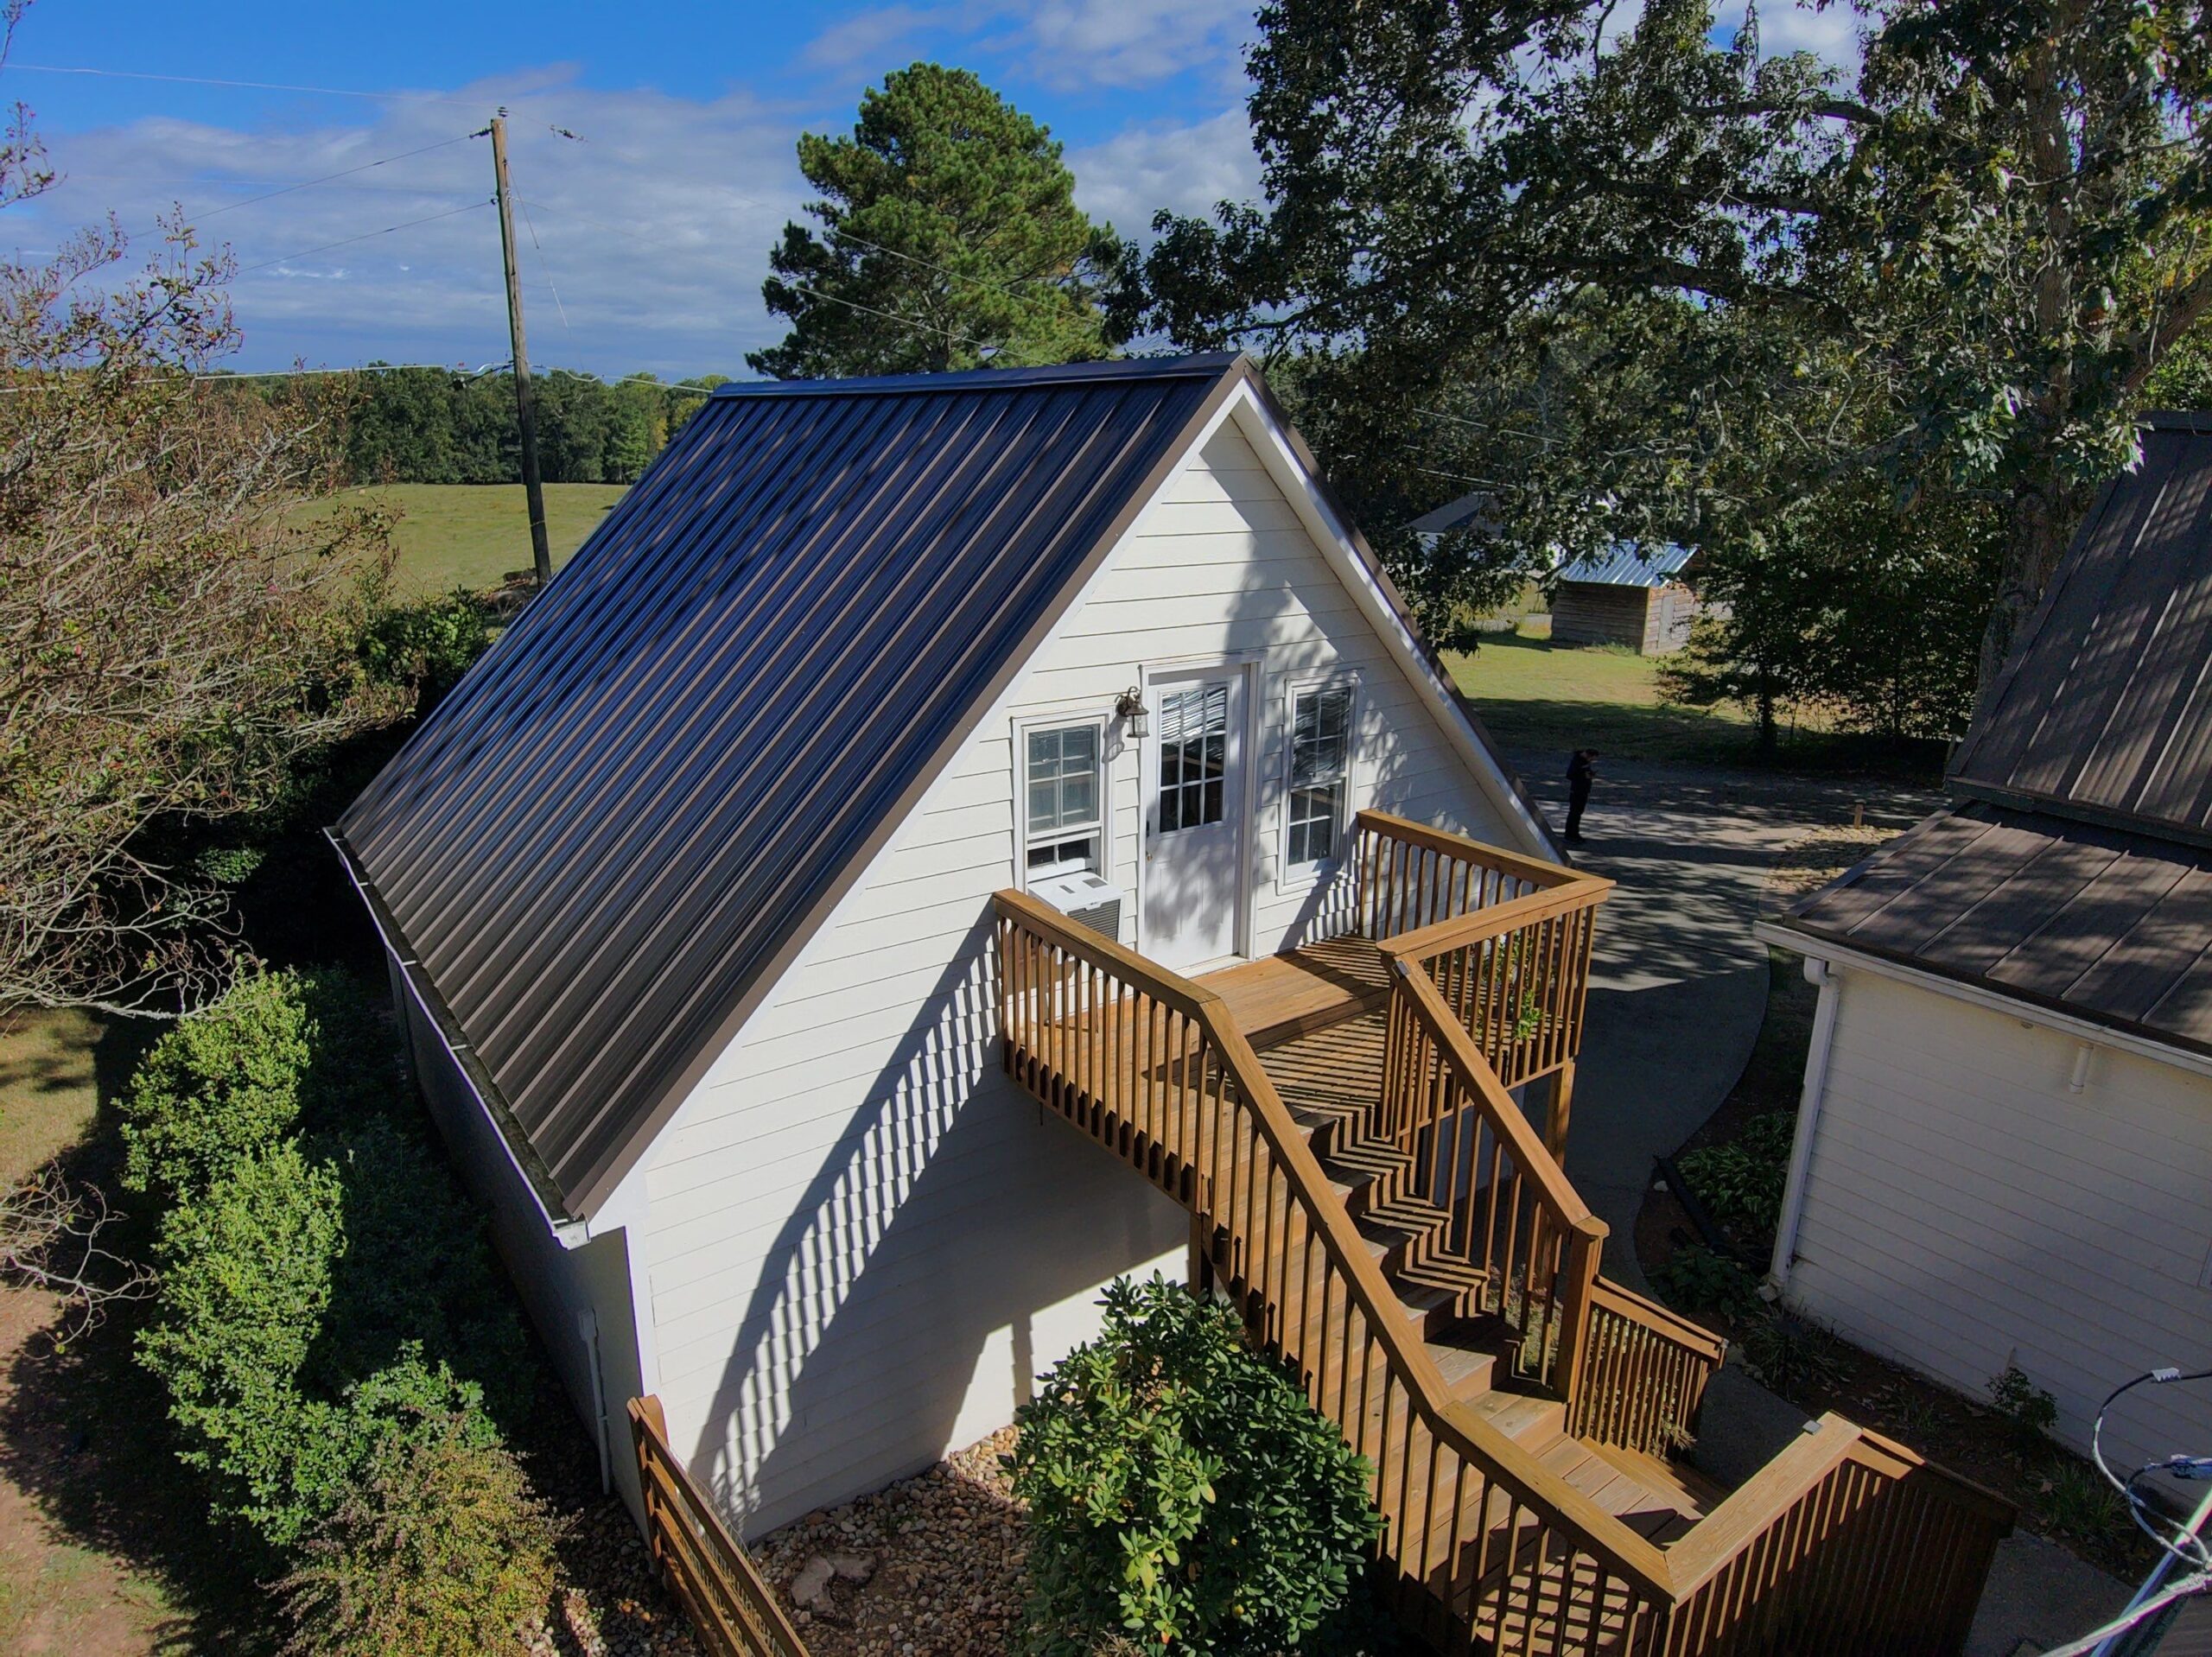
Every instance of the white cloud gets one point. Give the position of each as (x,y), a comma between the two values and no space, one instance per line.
(1829,33)
(1072,43)
(1185,168)
(655,229)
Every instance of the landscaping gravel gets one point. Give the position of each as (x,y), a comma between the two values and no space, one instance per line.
(929,1567)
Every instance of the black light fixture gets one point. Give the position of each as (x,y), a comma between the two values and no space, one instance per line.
(1130,706)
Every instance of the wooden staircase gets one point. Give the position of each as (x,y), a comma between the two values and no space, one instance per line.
(1366,1190)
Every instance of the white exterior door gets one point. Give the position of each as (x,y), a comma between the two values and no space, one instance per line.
(1195,867)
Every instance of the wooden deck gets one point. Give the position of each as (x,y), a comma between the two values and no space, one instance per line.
(1278,997)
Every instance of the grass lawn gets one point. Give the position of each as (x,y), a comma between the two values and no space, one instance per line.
(471,535)
(1534,696)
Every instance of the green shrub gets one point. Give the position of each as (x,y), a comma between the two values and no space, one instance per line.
(1181,1492)
(235,1079)
(1791,1356)
(2078,1501)
(2032,1412)
(216,1087)
(1699,1279)
(439,1546)
(427,645)
(1741,1181)
(246,1280)
(416,1272)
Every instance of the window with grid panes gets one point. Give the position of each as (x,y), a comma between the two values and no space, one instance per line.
(1063,799)
(1320,746)
(1194,757)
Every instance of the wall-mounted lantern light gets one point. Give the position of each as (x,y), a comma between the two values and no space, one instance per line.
(1130,706)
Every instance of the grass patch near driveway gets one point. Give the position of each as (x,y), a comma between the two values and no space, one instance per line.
(1535,695)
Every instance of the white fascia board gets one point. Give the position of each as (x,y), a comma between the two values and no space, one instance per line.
(1330,533)
(2082,1030)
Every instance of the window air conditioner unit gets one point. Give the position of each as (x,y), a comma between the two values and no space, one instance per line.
(1083,899)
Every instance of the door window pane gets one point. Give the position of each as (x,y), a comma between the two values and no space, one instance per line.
(1194,757)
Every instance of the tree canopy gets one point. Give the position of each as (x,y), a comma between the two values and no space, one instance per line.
(947,236)
(1678,286)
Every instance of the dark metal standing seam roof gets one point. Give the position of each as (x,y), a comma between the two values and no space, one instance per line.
(602,846)
(2105,709)
(2099,922)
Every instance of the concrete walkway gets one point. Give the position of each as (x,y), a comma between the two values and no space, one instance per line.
(1678,987)
(1677,994)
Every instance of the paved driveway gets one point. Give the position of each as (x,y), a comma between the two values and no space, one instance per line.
(1678,987)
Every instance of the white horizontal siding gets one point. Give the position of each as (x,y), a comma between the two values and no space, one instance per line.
(1964,1209)
(864,1242)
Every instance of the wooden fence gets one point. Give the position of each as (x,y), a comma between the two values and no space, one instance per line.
(705,1567)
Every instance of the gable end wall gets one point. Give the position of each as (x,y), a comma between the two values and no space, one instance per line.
(862,1242)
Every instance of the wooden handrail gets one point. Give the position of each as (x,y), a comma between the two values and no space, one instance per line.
(1662,1320)
(1499,1114)
(1425,943)
(1154,1069)
(1533,870)
(1609,1542)
(734,1611)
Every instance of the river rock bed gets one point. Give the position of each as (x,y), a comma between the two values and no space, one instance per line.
(929,1567)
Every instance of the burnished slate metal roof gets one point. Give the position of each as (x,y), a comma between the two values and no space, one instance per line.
(2095,921)
(2105,709)
(603,845)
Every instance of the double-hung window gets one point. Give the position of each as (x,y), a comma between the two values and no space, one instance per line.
(1063,799)
(1320,758)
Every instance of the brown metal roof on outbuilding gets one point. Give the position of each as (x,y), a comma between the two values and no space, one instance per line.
(2095,921)
(2105,709)
(605,842)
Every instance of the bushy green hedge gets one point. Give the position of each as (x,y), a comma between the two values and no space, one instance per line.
(1182,1493)
(426,644)
(439,1550)
(326,1288)
(1741,1179)
(224,1083)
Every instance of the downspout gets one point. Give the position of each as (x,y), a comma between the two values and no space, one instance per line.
(588,1326)
(1819,972)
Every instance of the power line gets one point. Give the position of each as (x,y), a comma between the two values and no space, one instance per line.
(245,85)
(366,235)
(796,287)
(346,173)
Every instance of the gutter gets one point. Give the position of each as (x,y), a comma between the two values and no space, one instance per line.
(569,1230)
(1821,975)
(2080,1028)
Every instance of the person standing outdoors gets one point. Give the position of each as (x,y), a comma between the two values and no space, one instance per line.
(1580,771)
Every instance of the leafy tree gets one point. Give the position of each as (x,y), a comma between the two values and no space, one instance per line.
(1182,1493)
(173,632)
(1956,275)
(948,238)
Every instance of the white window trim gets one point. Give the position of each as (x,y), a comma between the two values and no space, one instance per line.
(1084,714)
(1301,877)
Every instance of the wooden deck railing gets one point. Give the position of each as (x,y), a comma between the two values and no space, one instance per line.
(1481,1540)
(734,1611)
(1506,939)
(1843,1543)
(1517,1236)
(1644,1375)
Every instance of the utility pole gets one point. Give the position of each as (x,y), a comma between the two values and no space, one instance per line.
(525,400)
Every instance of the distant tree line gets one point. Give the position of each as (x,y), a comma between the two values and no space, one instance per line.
(427,425)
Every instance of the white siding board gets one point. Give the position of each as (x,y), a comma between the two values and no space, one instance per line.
(1963,1209)
(863,1240)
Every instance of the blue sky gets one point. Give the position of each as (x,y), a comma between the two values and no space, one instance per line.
(645,244)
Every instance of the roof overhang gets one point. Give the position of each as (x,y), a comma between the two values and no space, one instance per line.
(2083,1025)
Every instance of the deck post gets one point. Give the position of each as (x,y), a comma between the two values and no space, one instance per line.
(1585,1244)
(1558,1106)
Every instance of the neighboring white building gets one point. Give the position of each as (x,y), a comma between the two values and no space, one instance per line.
(687,887)
(2004,1153)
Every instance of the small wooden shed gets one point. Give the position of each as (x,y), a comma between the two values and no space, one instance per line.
(1629,595)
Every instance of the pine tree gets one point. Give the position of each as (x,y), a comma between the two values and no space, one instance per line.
(948,238)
